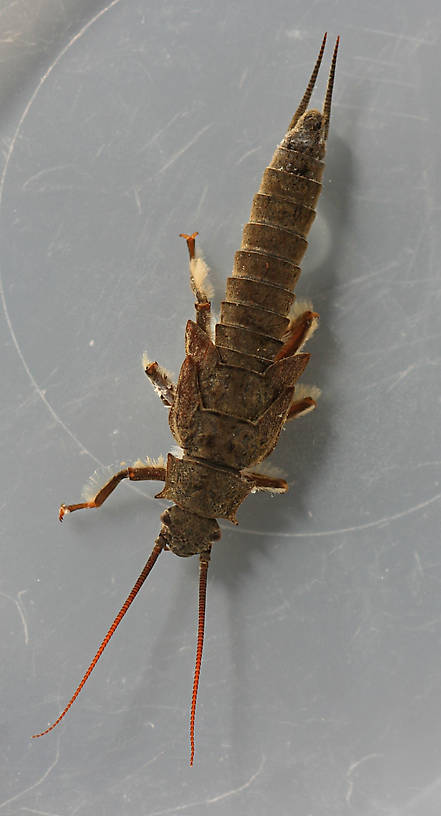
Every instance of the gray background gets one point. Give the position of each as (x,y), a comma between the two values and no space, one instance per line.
(121,126)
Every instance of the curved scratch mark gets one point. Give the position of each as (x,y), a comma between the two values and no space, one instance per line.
(354,767)
(36,784)
(321,533)
(31,101)
(184,149)
(21,613)
(213,799)
(427,796)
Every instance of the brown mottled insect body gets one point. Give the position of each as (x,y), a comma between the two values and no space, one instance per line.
(236,390)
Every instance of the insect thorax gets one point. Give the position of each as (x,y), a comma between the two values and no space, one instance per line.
(203,489)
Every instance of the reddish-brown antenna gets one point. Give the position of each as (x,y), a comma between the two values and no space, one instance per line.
(150,563)
(203,569)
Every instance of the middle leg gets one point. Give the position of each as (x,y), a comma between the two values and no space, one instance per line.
(160,379)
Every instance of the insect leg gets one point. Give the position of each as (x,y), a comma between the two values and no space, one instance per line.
(135,474)
(161,381)
(305,400)
(203,569)
(201,288)
(263,482)
(301,407)
(300,331)
(137,586)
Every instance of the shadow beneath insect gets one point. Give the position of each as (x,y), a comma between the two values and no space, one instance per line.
(167,666)
(303,446)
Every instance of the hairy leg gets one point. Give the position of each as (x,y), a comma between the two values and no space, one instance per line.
(199,285)
(135,474)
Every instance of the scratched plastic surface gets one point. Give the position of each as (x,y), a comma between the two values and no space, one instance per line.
(122,125)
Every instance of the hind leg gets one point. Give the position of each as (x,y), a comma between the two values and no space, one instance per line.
(199,284)
(300,330)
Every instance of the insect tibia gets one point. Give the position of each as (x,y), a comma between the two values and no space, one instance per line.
(268,469)
(300,408)
(304,401)
(161,379)
(266,478)
(300,330)
(304,390)
(300,306)
(95,482)
(199,270)
(201,287)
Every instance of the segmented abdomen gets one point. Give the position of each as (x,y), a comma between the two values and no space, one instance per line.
(260,292)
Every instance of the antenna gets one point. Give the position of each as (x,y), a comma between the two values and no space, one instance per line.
(203,569)
(147,569)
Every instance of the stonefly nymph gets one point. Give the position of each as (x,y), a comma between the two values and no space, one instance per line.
(236,387)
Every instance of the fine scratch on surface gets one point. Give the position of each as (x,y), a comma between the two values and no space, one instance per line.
(419,564)
(396,35)
(184,149)
(9,154)
(381,272)
(198,209)
(430,794)
(353,767)
(36,784)
(383,112)
(20,610)
(160,132)
(138,200)
(40,812)
(39,391)
(46,172)
(213,799)
(402,375)
(245,155)
(320,533)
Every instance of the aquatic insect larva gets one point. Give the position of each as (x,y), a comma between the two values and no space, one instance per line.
(235,390)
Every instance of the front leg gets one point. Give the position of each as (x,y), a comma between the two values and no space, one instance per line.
(137,473)
(199,284)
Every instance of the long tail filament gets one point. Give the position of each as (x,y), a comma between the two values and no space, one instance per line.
(203,569)
(148,567)
(329,89)
(309,88)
